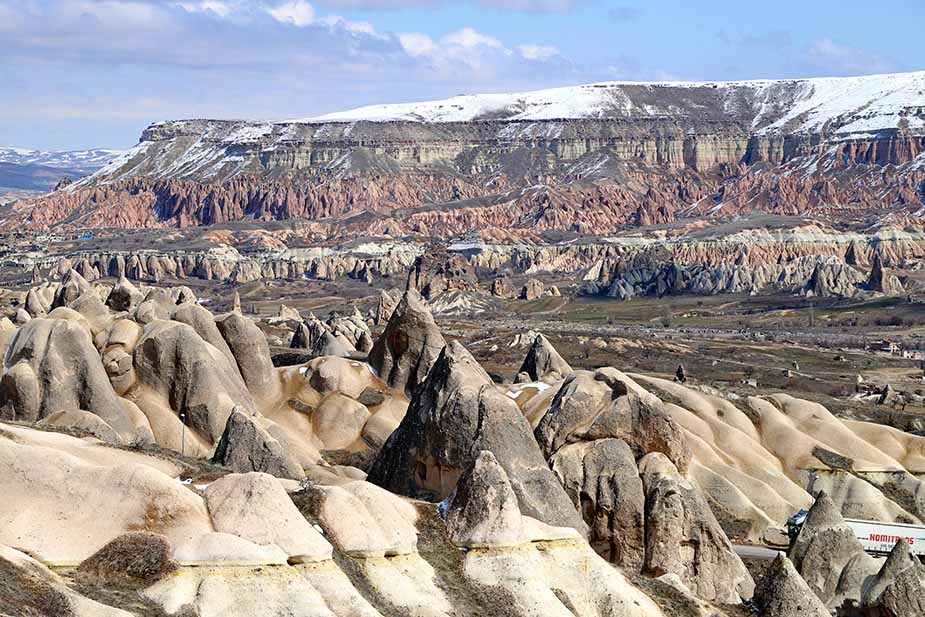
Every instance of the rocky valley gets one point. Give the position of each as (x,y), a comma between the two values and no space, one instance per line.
(615,350)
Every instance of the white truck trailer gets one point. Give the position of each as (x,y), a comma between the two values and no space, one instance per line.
(879,538)
(876,537)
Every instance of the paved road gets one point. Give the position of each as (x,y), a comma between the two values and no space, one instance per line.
(755,552)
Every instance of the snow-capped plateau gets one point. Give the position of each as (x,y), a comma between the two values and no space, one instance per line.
(854,104)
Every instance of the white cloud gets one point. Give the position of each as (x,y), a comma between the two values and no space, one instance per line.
(355,27)
(296,12)
(846,60)
(99,59)
(417,44)
(468,38)
(212,6)
(537,52)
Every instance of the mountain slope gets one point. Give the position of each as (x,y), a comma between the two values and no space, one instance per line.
(40,170)
(587,159)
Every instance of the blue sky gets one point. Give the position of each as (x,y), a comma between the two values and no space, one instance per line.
(94,73)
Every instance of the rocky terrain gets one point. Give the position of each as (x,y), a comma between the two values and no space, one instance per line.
(164,460)
(38,170)
(592,160)
(761,256)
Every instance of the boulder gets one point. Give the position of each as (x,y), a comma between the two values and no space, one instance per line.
(338,421)
(287,314)
(501,288)
(900,558)
(385,306)
(532,290)
(124,297)
(246,446)
(363,520)
(73,285)
(826,551)
(34,304)
(189,377)
(202,321)
(330,345)
(602,405)
(543,362)
(455,414)
(783,593)
(409,346)
(904,597)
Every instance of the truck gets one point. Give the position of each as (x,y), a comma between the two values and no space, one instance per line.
(877,537)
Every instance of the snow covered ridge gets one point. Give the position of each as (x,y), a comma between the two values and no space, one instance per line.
(853,104)
(82,160)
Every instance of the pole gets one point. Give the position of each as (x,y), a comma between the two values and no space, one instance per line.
(183,434)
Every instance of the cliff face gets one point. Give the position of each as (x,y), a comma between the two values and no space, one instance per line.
(589,159)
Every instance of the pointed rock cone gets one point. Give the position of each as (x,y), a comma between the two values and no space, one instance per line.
(454,414)
(783,593)
(904,597)
(877,281)
(34,305)
(385,307)
(246,446)
(483,510)
(124,296)
(827,551)
(236,302)
(72,287)
(900,558)
(301,338)
(543,362)
(409,346)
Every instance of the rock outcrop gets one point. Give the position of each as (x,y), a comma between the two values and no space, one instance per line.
(829,557)
(783,593)
(543,362)
(454,415)
(409,346)
(483,511)
(684,538)
(246,446)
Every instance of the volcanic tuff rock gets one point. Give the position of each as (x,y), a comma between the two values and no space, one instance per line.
(408,346)
(483,511)
(543,362)
(900,559)
(684,538)
(246,446)
(783,593)
(240,540)
(829,556)
(455,414)
(603,482)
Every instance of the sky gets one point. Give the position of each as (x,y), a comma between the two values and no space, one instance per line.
(94,73)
